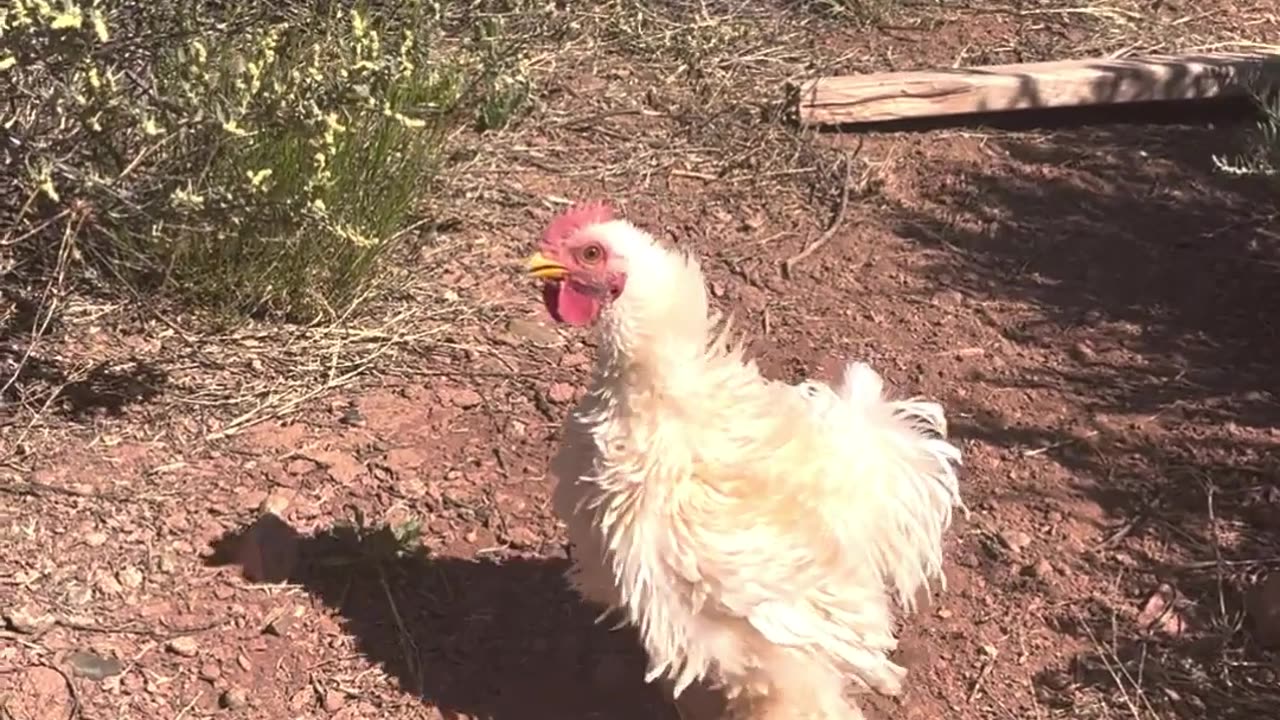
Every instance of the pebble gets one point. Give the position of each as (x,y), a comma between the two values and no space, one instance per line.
(233,699)
(1161,613)
(560,393)
(279,624)
(130,577)
(184,646)
(534,331)
(1082,352)
(1015,540)
(1042,569)
(466,398)
(276,503)
(300,466)
(342,467)
(38,692)
(523,538)
(334,701)
(93,666)
(108,585)
(28,620)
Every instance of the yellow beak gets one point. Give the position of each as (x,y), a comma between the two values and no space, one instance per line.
(540,267)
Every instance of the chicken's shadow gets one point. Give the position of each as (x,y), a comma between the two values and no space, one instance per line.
(501,639)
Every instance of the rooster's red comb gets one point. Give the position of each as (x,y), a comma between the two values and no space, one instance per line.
(574,219)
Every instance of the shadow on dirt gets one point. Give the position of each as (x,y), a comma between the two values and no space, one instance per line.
(30,376)
(104,389)
(1155,281)
(501,639)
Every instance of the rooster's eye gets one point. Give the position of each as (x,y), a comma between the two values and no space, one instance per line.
(591,254)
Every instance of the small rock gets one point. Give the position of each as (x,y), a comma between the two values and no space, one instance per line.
(244,663)
(341,467)
(79,594)
(28,620)
(300,466)
(233,699)
(108,585)
(523,538)
(334,701)
(945,614)
(717,289)
(178,521)
(278,624)
(1042,569)
(573,360)
(1082,352)
(405,458)
(1015,540)
(94,666)
(95,539)
(277,502)
(130,577)
(1160,612)
(949,298)
(412,487)
(560,393)
(39,693)
(534,331)
(252,500)
(210,671)
(302,698)
(184,645)
(1264,611)
(465,398)
(351,416)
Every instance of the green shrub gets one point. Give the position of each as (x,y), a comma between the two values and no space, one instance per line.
(260,157)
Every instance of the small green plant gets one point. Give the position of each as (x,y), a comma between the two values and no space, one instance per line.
(261,158)
(504,89)
(365,544)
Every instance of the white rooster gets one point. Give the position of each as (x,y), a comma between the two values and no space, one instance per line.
(755,533)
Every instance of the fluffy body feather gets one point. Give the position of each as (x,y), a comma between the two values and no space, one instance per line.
(756,533)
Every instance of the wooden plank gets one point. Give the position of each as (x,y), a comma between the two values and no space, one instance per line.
(881,97)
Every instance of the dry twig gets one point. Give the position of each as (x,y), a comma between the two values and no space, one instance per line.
(836,222)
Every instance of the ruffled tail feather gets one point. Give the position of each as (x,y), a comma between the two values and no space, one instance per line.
(908,478)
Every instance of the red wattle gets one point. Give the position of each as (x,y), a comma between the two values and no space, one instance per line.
(569,305)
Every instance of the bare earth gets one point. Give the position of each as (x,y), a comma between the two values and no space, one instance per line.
(1095,307)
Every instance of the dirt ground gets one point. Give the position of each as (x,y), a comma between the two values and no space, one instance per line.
(1094,306)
